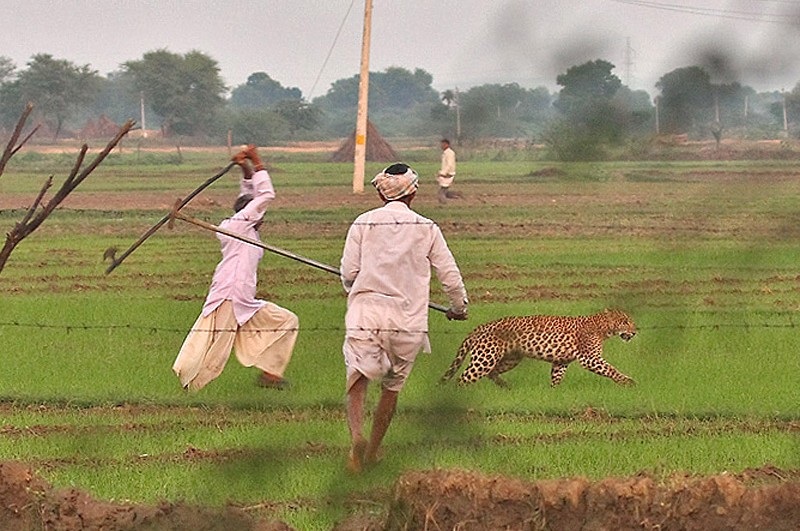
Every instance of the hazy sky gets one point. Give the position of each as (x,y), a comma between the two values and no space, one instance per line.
(462,43)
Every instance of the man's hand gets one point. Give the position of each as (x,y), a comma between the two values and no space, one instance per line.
(456,314)
(239,158)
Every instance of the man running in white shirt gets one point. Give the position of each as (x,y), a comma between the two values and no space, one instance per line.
(386,271)
(447,173)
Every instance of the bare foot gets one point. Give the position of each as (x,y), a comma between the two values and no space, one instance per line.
(356,458)
(372,458)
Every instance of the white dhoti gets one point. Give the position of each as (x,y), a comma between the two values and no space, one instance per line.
(378,344)
(265,341)
(445,180)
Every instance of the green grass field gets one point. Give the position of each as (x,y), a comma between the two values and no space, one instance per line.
(703,255)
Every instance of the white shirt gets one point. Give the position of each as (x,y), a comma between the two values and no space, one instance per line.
(386,263)
(448,162)
(236,274)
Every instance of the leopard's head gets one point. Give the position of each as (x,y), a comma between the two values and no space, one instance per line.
(619,323)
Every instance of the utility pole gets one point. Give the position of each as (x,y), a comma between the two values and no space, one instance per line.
(458,118)
(785,117)
(746,108)
(363,95)
(658,127)
(141,113)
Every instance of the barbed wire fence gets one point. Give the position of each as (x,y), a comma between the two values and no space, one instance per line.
(85,327)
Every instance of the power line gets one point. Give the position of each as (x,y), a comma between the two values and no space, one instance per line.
(330,51)
(751,16)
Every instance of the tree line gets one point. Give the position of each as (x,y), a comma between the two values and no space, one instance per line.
(184,95)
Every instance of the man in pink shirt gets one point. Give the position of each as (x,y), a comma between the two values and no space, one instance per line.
(386,272)
(261,333)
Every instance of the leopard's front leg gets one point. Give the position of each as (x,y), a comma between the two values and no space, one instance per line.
(598,365)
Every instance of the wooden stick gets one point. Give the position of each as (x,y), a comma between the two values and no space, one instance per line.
(110,253)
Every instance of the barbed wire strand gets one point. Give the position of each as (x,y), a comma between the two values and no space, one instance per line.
(156,329)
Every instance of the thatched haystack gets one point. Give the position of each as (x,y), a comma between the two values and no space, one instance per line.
(378,150)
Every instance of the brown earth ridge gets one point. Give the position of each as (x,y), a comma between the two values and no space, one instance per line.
(764,498)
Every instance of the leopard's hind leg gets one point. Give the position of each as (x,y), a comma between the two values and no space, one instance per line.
(557,373)
(461,355)
(483,361)
(510,359)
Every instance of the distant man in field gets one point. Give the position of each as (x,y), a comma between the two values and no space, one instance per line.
(386,272)
(261,333)
(447,173)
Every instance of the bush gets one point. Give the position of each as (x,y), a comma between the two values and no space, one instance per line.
(568,143)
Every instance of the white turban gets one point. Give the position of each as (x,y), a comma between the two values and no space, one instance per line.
(396,186)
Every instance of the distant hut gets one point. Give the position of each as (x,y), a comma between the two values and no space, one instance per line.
(103,127)
(378,150)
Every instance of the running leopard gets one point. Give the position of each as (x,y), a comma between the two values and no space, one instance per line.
(499,346)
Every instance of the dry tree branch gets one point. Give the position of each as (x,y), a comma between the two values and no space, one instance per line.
(32,209)
(32,220)
(25,140)
(10,150)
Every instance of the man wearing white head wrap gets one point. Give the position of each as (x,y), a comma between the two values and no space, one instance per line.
(386,271)
(396,186)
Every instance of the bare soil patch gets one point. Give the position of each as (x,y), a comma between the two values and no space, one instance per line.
(765,498)
(758,499)
(28,503)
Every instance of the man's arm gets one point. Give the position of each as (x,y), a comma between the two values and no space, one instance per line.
(444,264)
(262,191)
(351,257)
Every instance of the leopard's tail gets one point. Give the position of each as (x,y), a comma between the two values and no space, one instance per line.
(463,351)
